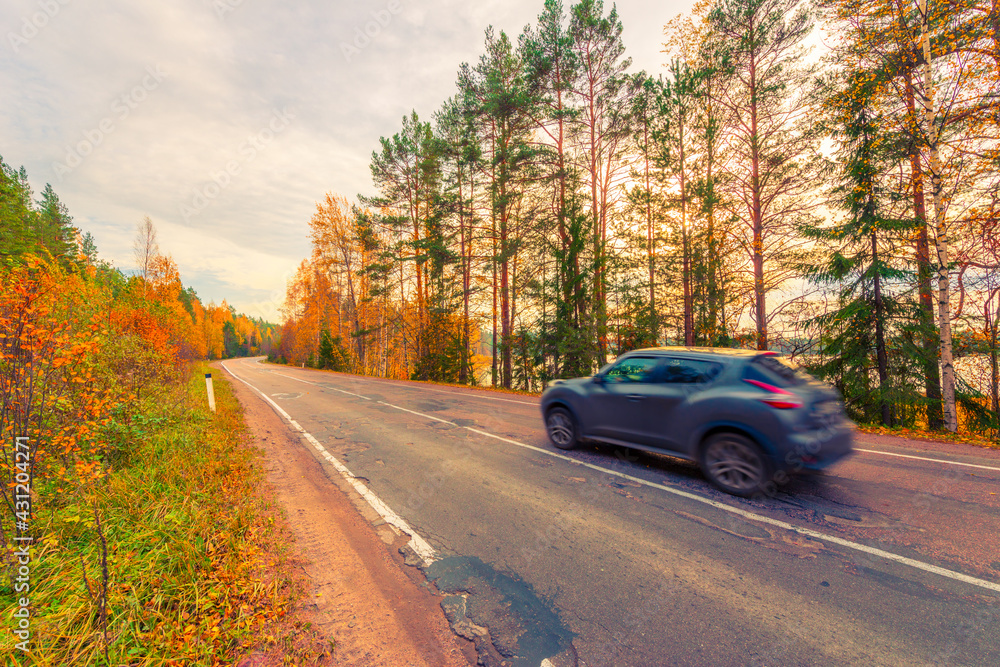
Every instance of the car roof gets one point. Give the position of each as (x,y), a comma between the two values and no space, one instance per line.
(702,351)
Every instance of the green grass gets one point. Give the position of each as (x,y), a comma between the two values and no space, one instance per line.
(197,562)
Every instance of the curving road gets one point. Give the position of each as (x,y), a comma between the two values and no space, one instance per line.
(601,556)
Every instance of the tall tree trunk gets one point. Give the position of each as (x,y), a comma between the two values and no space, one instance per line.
(598,308)
(495,277)
(463,370)
(760,302)
(512,292)
(402,307)
(417,265)
(991,330)
(932,375)
(713,244)
(686,249)
(505,333)
(932,136)
(384,331)
(493,231)
(650,244)
(881,356)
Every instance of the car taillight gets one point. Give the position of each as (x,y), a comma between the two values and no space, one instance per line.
(782,400)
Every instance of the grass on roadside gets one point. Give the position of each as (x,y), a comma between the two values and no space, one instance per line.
(197,569)
(962,437)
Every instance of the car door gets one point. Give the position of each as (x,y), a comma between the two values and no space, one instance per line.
(618,401)
(664,418)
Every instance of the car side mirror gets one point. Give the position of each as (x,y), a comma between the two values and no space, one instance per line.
(599,379)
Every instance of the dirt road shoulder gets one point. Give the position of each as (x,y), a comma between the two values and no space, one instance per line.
(378,610)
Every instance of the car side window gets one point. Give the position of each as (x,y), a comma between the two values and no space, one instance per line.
(633,369)
(689,371)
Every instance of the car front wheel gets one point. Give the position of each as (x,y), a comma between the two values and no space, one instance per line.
(562,429)
(735,464)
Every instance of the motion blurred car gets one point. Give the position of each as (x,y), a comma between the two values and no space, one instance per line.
(750,419)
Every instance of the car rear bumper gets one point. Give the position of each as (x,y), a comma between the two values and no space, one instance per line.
(817,450)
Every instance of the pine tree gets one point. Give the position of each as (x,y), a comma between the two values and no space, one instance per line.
(461,157)
(508,105)
(407,174)
(645,200)
(601,132)
(674,136)
(553,68)
(769,97)
(88,248)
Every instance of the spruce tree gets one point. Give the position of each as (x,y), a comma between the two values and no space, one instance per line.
(856,343)
(18,219)
(55,226)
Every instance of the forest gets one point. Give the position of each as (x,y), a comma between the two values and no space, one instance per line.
(117,480)
(40,245)
(84,346)
(818,179)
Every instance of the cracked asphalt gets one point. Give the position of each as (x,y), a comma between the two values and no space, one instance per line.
(601,556)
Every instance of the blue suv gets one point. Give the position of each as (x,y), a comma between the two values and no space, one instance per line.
(748,418)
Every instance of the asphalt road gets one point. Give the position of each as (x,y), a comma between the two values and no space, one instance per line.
(602,556)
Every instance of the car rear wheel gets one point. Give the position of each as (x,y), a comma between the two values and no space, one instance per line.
(562,429)
(735,464)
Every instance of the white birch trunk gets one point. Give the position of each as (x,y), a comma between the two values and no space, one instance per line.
(939,229)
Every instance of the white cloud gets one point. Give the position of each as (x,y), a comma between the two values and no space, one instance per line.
(226,73)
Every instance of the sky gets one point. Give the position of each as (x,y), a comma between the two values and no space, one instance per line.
(225,121)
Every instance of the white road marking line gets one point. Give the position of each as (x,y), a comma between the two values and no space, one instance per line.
(437,391)
(481,398)
(924,458)
(927,567)
(417,543)
(881,553)
(349,393)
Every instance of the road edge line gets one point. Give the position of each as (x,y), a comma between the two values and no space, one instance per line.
(419,545)
(925,458)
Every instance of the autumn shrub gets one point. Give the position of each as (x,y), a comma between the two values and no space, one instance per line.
(150,541)
(192,573)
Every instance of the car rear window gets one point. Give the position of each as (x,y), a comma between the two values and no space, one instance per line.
(789,372)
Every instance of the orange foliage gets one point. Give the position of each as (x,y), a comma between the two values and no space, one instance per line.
(52,331)
(379,321)
(77,352)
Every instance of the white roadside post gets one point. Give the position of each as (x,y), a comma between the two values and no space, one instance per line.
(211,391)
